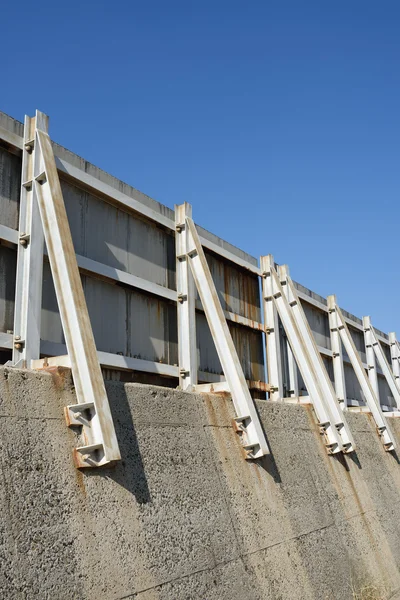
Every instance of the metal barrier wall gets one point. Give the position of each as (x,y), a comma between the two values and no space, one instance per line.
(125,246)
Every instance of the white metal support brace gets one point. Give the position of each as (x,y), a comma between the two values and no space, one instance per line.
(373,346)
(273,342)
(247,420)
(28,291)
(395,356)
(185,302)
(337,356)
(331,434)
(371,360)
(92,411)
(324,382)
(370,398)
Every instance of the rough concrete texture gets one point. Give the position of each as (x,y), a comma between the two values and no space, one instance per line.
(183,516)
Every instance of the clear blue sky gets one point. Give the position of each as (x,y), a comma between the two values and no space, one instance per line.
(278,121)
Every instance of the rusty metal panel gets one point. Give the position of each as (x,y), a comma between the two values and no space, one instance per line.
(10,182)
(319,324)
(124,321)
(329,368)
(8,265)
(51,328)
(353,389)
(107,306)
(358,338)
(385,395)
(152,328)
(238,290)
(386,350)
(248,344)
(125,241)
(239,293)
(75,204)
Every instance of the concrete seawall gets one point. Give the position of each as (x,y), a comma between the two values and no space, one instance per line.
(183,516)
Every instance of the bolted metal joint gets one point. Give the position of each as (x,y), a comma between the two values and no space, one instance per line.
(29,146)
(18,343)
(24,239)
(181,298)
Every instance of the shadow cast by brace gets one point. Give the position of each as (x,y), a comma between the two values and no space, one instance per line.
(129,471)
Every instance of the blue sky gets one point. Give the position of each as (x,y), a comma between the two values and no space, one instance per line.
(278,121)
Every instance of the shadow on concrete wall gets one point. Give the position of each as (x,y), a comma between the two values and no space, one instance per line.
(129,471)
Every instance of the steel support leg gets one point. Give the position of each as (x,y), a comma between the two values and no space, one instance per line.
(272,336)
(337,356)
(395,356)
(28,292)
(92,410)
(186,303)
(247,420)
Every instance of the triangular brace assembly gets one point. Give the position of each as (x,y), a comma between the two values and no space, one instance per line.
(41,193)
(191,261)
(279,291)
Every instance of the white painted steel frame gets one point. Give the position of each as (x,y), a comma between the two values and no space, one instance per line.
(89,181)
(323,380)
(78,176)
(254,442)
(332,438)
(373,346)
(370,397)
(371,359)
(337,356)
(92,410)
(272,337)
(28,288)
(186,309)
(395,357)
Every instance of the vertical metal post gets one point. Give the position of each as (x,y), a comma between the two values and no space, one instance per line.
(395,356)
(28,292)
(371,360)
(337,355)
(272,334)
(187,350)
(293,390)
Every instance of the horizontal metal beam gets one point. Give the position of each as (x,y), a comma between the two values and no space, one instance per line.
(222,386)
(11,138)
(9,235)
(6,341)
(89,181)
(126,363)
(309,300)
(94,267)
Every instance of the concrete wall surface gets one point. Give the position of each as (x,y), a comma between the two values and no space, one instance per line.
(183,516)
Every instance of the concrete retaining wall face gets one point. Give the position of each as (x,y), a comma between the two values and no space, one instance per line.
(183,516)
